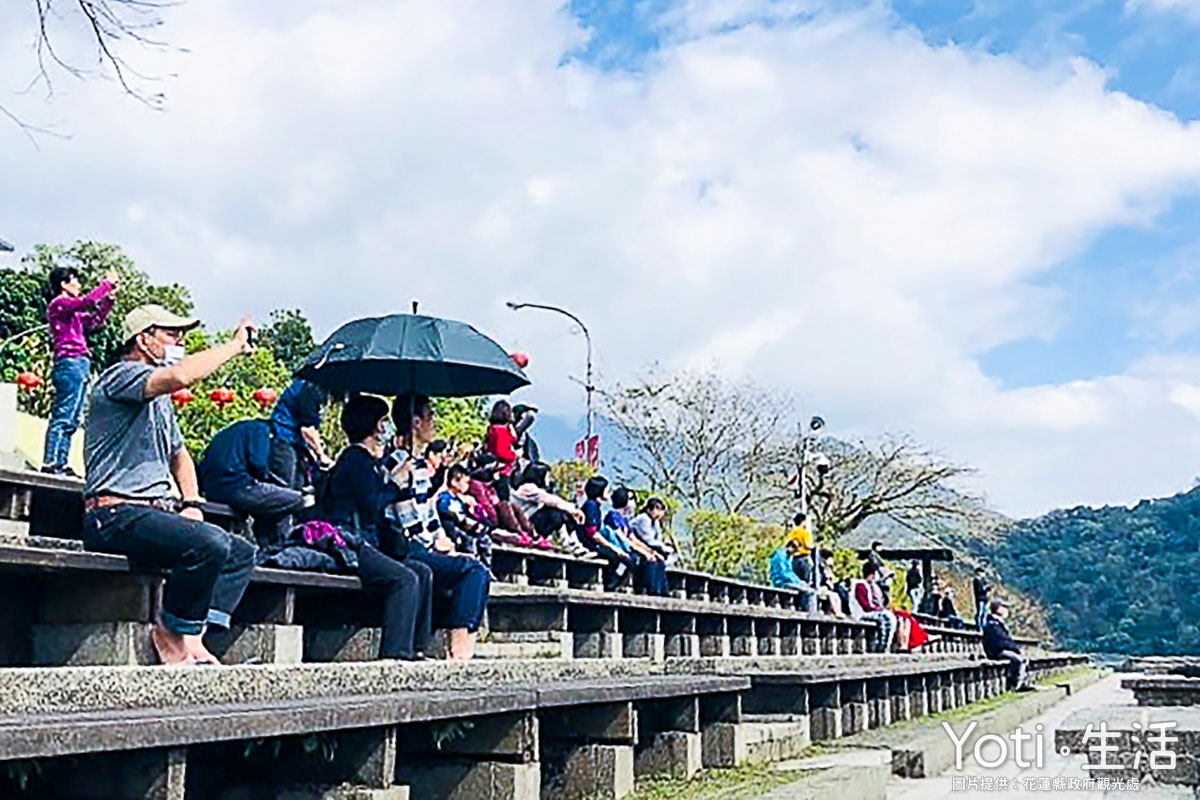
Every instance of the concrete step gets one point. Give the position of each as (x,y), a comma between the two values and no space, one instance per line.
(525,645)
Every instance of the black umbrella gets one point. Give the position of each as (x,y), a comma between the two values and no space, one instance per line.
(411,353)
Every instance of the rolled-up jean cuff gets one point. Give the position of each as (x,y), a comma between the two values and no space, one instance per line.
(185,627)
(218,618)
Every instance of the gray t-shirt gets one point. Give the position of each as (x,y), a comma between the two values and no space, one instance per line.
(129,440)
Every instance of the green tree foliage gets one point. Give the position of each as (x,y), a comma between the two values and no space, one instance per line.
(202,418)
(567,478)
(289,337)
(462,421)
(24,296)
(733,545)
(1111,579)
(285,342)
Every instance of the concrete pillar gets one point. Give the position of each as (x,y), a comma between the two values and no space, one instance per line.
(263,643)
(677,754)
(346,643)
(901,701)
(879,703)
(596,632)
(742,641)
(825,711)
(845,639)
(669,738)
(960,689)
(599,771)
(855,711)
(159,774)
(810,639)
(828,634)
(464,779)
(918,696)
(600,739)
(370,757)
(645,645)
(789,639)
(860,639)
(114,644)
(933,691)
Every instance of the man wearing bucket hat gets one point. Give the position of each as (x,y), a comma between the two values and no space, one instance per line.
(134,455)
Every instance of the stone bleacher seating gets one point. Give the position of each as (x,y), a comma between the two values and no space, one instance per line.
(70,607)
(584,690)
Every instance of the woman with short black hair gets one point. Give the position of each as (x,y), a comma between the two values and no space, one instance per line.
(354,498)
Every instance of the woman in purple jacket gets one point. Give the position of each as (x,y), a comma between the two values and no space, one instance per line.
(71,314)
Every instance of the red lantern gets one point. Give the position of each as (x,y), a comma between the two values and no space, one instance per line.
(181,397)
(28,381)
(221,397)
(520,359)
(265,397)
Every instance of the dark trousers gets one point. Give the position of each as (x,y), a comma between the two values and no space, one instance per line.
(270,506)
(466,580)
(547,521)
(207,568)
(652,577)
(290,461)
(407,589)
(70,377)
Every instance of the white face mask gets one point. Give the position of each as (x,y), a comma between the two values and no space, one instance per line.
(173,354)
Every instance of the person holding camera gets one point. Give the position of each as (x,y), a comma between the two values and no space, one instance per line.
(135,457)
(70,316)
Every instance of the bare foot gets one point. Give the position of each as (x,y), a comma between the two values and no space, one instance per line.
(462,645)
(195,647)
(170,647)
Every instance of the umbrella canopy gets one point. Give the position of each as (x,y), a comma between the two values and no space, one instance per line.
(411,353)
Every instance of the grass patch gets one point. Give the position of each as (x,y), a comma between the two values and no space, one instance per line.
(717,784)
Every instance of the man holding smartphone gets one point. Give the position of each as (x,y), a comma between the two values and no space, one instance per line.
(135,457)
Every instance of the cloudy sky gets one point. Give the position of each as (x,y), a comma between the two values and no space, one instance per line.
(972,221)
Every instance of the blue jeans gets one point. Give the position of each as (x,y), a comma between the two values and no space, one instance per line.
(70,377)
(207,568)
(465,578)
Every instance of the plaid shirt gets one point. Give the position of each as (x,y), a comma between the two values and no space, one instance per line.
(415,511)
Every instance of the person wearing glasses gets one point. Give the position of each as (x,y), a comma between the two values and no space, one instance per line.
(141,496)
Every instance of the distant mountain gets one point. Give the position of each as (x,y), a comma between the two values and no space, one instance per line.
(1112,579)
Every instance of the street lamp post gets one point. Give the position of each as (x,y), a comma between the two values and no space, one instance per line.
(815,424)
(586,335)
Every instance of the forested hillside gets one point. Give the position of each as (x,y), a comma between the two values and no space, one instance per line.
(1111,579)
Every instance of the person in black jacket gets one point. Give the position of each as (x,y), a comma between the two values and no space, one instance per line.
(354,498)
(983,595)
(235,470)
(999,645)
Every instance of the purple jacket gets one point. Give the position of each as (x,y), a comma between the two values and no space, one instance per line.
(71,317)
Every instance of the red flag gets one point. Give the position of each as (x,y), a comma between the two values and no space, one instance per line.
(593,451)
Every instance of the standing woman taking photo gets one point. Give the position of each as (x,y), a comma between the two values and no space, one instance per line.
(71,315)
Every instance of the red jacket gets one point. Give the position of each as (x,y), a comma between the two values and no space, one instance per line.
(501,442)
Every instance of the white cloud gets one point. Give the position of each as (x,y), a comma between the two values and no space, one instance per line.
(1189,7)
(827,204)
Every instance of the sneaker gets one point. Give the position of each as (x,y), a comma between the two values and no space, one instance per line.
(545,544)
(1026,689)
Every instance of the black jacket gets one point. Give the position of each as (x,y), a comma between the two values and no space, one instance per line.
(983,590)
(997,639)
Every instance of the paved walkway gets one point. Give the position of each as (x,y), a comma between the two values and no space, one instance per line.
(1105,692)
